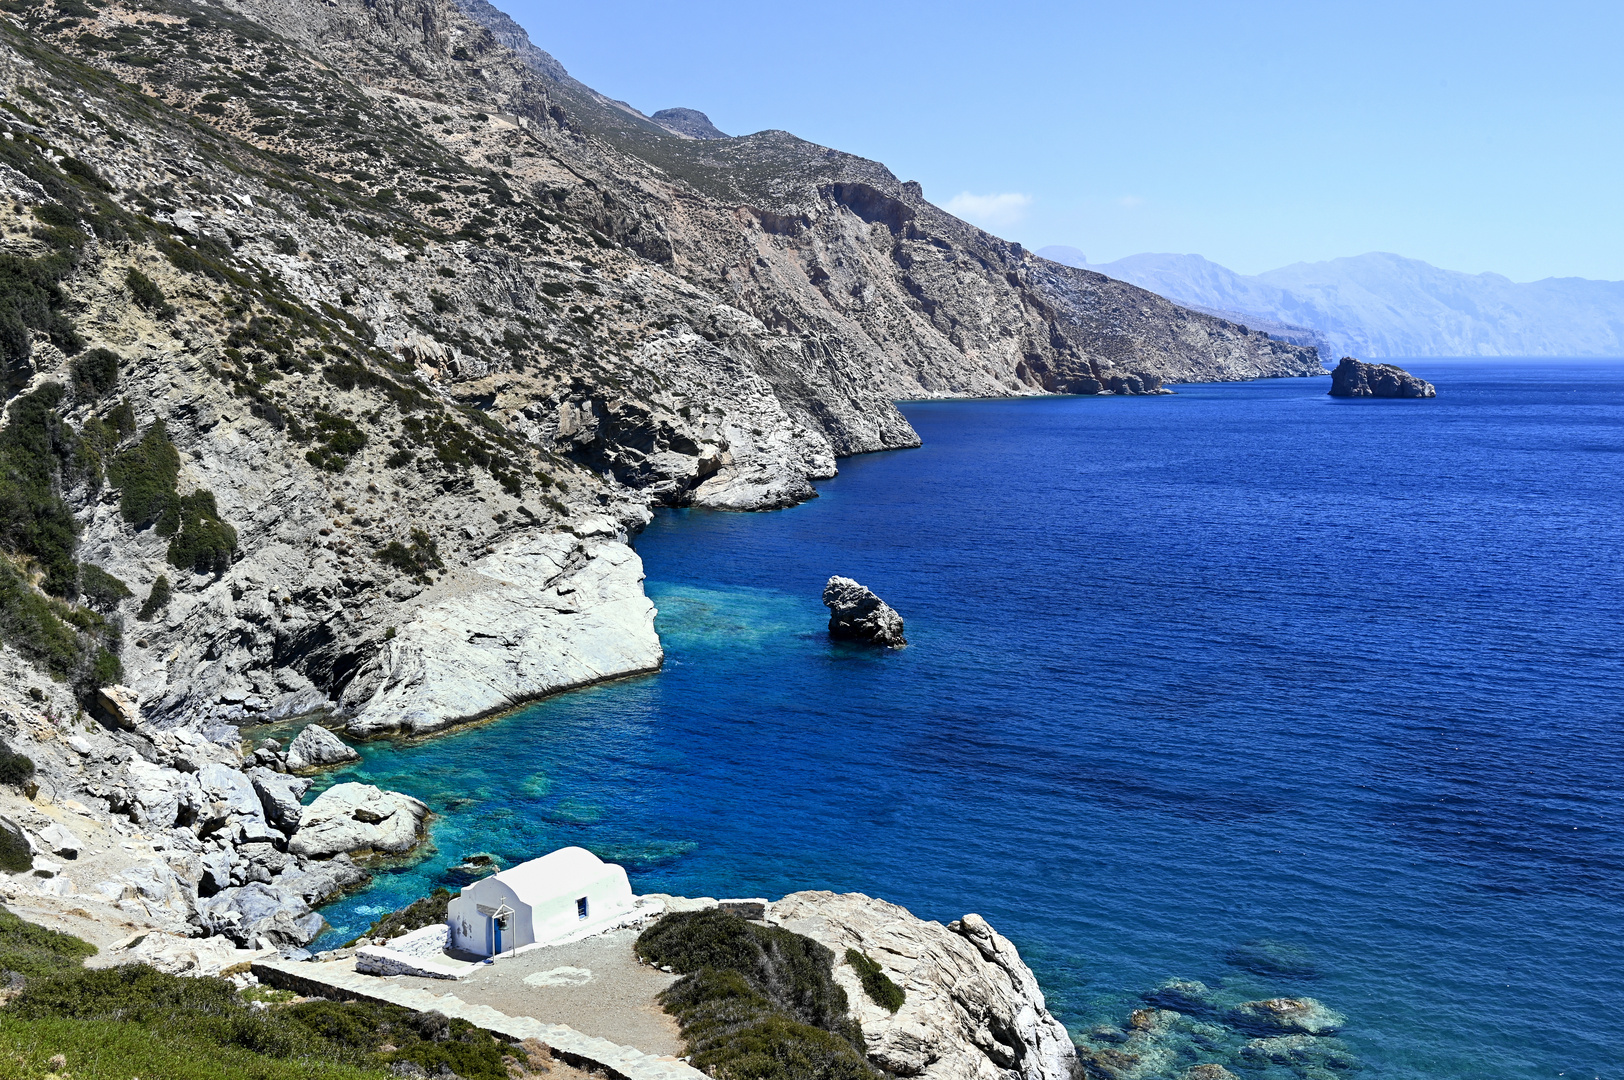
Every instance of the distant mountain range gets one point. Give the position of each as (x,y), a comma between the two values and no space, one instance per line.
(1382,305)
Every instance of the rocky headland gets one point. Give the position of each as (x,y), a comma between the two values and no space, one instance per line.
(1354,378)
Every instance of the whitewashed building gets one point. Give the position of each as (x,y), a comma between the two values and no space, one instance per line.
(567,894)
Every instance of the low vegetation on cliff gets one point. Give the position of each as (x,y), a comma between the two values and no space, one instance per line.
(755,1002)
(120,1022)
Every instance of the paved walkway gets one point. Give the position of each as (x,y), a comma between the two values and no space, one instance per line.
(339,979)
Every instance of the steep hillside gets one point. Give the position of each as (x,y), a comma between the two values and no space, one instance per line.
(346,346)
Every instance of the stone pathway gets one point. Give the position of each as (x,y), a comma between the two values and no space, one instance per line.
(586,1051)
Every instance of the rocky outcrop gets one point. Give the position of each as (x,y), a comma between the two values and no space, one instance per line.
(689,122)
(972,1009)
(856,614)
(1353,378)
(359,819)
(317,748)
(536,616)
(279,795)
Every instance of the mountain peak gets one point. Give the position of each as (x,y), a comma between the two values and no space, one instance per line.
(689,122)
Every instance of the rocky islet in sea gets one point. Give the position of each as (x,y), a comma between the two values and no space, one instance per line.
(856,614)
(1357,379)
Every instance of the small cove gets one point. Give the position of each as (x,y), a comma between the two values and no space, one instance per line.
(1246,685)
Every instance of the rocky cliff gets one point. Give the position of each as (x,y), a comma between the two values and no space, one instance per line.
(348,343)
(971,1009)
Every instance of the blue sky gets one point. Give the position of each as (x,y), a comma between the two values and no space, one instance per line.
(1482,136)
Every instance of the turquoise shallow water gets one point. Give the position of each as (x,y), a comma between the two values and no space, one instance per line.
(1186,674)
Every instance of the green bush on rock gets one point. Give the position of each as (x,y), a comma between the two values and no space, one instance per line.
(756,1002)
(145,475)
(202,542)
(157,599)
(15,769)
(876,983)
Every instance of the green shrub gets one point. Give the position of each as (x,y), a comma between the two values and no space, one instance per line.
(417,560)
(431,909)
(756,1002)
(35,951)
(200,1015)
(15,769)
(202,542)
(34,520)
(145,475)
(30,624)
(95,373)
(876,983)
(15,854)
(147,294)
(157,599)
(101,588)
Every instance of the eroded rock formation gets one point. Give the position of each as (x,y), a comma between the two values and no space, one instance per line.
(856,614)
(1355,378)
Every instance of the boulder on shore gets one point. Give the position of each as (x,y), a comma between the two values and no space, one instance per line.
(1354,378)
(359,818)
(855,613)
(315,747)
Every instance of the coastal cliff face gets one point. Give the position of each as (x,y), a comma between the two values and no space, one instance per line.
(972,1008)
(345,340)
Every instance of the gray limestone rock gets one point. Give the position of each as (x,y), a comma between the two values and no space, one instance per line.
(315,747)
(319,881)
(232,800)
(359,818)
(156,796)
(257,910)
(541,615)
(279,795)
(855,613)
(59,840)
(1354,378)
(972,1009)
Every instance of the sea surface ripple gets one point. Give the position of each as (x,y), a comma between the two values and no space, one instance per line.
(1186,674)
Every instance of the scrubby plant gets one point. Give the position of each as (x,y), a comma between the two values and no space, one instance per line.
(34,951)
(95,373)
(201,542)
(15,854)
(34,520)
(148,294)
(876,983)
(102,589)
(145,475)
(15,769)
(757,1002)
(157,599)
(415,560)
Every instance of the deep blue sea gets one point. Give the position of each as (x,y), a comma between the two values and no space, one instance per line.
(1245,668)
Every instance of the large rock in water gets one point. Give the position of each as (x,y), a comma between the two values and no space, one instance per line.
(315,747)
(973,1009)
(1354,378)
(359,818)
(856,613)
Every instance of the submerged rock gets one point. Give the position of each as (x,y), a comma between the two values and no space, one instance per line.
(315,747)
(855,613)
(1272,959)
(1354,378)
(1284,1016)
